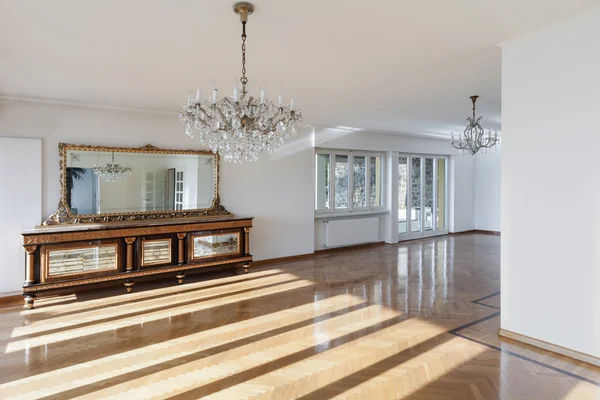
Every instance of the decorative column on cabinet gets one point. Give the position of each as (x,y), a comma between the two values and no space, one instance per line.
(181,248)
(247,246)
(30,264)
(30,273)
(129,265)
(181,256)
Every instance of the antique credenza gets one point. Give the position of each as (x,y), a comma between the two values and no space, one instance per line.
(70,256)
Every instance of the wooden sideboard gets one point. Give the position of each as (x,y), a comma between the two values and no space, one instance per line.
(70,256)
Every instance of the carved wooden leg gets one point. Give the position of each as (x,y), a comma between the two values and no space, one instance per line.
(129,285)
(246,266)
(29,299)
(180,277)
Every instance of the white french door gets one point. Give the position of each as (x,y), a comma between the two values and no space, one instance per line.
(422,194)
(153,190)
(179,189)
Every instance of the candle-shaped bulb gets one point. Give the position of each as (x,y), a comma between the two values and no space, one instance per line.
(280,99)
(263,91)
(215,93)
(235,93)
(198,95)
(292,103)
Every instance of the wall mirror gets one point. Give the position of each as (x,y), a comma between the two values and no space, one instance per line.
(106,184)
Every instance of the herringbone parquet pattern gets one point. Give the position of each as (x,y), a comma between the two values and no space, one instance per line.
(393,322)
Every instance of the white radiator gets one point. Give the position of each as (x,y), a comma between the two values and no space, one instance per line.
(345,232)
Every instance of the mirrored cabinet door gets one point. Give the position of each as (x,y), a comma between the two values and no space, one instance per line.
(214,245)
(78,260)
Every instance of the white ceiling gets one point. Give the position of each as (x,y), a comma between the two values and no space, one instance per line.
(383,65)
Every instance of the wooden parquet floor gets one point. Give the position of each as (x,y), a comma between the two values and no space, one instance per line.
(412,321)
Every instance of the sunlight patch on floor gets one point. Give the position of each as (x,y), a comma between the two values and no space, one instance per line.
(247,357)
(108,326)
(138,359)
(143,303)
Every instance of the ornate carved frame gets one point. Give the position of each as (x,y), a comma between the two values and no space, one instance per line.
(64,216)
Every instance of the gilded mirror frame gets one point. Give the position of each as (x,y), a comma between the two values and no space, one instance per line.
(64,215)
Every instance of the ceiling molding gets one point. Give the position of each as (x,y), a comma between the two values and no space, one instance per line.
(39,100)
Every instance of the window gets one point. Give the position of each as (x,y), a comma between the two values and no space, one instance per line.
(356,181)
(322,181)
(402,194)
(415,205)
(441,194)
(376,183)
(359,196)
(342,181)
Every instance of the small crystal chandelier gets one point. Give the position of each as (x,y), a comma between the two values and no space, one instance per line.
(112,172)
(240,128)
(473,138)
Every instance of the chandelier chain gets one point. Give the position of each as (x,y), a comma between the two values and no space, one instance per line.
(243,79)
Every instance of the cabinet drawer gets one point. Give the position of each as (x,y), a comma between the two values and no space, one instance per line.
(79,259)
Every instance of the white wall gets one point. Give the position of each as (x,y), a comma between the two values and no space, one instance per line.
(20,205)
(487,191)
(551,269)
(461,202)
(278,191)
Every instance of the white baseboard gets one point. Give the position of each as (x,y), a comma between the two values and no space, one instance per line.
(550,347)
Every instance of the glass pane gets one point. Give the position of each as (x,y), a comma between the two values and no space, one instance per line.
(402,194)
(215,245)
(322,179)
(376,165)
(428,194)
(341,182)
(359,197)
(156,251)
(82,260)
(415,195)
(441,193)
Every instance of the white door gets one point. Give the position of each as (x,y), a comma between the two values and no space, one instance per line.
(179,189)
(421,196)
(153,190)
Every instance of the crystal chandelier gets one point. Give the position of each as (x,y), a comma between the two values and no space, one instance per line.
(112,172)
(240,128)
(473,138)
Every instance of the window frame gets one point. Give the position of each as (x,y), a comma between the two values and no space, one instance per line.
(369,209)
